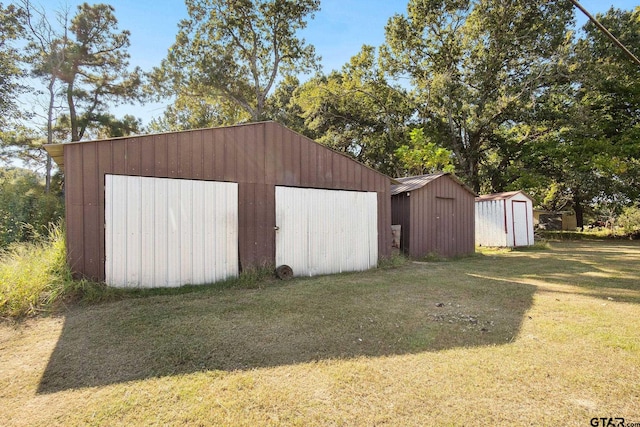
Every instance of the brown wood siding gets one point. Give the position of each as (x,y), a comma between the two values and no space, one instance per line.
(256,156)
(437,218)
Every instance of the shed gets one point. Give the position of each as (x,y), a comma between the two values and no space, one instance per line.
(504,219)
(435,213)
(198,206)
(554,221)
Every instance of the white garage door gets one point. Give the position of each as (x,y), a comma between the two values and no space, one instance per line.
(168,232)
(326,231)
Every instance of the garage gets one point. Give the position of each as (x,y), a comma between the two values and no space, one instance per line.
(162,232)
(352,233)
(326,231)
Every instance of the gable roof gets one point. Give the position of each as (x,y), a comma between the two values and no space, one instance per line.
(56,151)
(412,183)
(501,196)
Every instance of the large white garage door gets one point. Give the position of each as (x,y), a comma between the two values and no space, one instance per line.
(326,231)
(169,232)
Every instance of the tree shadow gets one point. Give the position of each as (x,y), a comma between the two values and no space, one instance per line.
(381,313)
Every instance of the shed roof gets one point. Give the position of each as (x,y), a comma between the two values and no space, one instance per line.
(501,196)
(412,183)
(56,151)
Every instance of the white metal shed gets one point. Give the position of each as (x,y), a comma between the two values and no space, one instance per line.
(504,219)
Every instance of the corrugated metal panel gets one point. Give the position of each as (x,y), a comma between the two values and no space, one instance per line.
(413,183)
(326,231)
(491,223)
(165,232)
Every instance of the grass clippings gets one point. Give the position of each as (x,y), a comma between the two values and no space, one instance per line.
(544,337)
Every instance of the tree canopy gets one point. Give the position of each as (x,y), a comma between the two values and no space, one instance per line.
(234,52)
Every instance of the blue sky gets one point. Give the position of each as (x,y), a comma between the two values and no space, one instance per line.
(337,31)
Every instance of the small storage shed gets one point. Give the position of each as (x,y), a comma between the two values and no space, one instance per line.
(435,213)
(504,219)
(198,206)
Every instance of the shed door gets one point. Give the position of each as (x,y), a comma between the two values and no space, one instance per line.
(326,231)
(520,223)
(445,244)
(169,232)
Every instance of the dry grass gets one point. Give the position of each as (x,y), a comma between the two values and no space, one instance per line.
(520,338)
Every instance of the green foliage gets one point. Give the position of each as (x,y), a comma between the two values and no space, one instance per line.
(26,211)
(630,220)
(424,156)
(233,52)
(590,150)
(89,58)
(34,276)
(357,111)
(476,66)
(188,112)
(11,29)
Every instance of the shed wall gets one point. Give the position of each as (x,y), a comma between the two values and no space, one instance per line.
(440,218)
(257,156)
(491,223)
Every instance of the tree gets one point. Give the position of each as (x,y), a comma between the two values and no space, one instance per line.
(11,29)
(592,150)
(475,66)
(197,113)
(235,51)
(357,111)
(89,58)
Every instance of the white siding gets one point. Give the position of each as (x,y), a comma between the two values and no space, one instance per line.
(490,223)
(326,231)
(167,232)
(505,222)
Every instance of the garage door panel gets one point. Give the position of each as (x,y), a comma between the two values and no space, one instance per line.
(168,232)
(326,231)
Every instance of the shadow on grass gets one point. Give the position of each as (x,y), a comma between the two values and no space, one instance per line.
(606,269)
(414,308)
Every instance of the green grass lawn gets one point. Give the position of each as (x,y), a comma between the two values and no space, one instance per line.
(533,337)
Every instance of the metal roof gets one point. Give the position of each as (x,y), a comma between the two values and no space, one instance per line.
(501,196)
(412,183)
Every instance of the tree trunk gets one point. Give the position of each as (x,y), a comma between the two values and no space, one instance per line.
(52,95)
(73,118)
(577,206)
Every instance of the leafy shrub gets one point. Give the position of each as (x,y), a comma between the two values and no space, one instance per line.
(26,211)
(630,220)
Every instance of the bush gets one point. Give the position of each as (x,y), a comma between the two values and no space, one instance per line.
(630,220)
(34,276)
(26,211)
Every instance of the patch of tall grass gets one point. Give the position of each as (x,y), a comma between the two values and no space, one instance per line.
(34,276)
